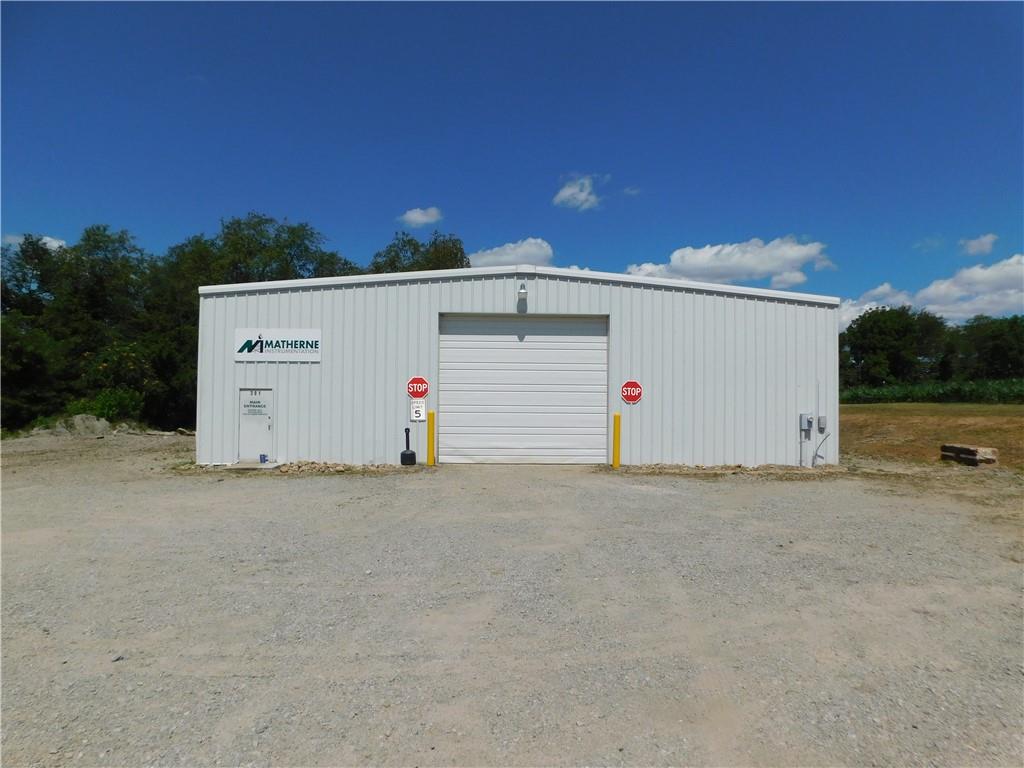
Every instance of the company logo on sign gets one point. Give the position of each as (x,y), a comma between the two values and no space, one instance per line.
(277,344)
(260,345)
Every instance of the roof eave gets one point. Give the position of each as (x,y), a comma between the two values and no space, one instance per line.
(517,269)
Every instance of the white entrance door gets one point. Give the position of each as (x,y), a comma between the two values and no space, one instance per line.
(523,390)
(255,424)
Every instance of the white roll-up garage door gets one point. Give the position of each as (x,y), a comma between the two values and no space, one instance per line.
(525,390)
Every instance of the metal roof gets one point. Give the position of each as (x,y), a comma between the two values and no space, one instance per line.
(516,270)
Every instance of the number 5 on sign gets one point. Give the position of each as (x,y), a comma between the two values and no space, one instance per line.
(418,410)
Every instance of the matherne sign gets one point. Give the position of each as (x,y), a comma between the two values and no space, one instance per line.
(277,345)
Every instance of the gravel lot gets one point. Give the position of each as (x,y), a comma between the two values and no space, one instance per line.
(503,615)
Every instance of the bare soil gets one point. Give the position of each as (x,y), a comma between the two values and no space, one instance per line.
(156,613)
(915,431)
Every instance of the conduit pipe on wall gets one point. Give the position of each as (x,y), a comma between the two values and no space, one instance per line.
(815,457)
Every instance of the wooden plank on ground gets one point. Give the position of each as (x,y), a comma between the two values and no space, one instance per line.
(971,455)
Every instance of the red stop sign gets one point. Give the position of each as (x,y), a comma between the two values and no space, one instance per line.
(417,387)
(632,391)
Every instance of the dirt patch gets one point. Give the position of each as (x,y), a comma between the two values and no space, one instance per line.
(999,491)
(765,471)
(915,431)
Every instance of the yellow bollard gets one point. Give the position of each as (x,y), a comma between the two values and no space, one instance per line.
(616,438)
(430,438)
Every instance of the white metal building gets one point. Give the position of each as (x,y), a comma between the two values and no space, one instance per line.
(521,364)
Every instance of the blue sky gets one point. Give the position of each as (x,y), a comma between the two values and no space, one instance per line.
(875,152)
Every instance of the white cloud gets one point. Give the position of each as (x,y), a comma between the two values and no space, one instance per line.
(532,250)
(788,279)
(578,268)
(883,295)
(930,243)
(782,259)
(993,290)
(631,191)
(980,245)
(53,243)
(418,217)
(886,294)
(578,193)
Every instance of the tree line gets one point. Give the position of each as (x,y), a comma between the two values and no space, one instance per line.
(102,327)
(889,347)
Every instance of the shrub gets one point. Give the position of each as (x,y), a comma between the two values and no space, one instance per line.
(119,403)
(984,391)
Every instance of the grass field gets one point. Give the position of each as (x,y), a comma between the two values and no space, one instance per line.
(914,431)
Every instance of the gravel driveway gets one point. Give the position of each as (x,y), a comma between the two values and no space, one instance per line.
(497,615)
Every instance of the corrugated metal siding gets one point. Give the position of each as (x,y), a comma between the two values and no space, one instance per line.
(724,376)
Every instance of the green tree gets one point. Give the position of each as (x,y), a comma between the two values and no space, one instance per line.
(891,345)
(993,347)
(258,247)
(27,270)
(30,355)
(59,306)
(407,254)
(29,364)
(904,346)
(929,345)
(253,248)
(103,326)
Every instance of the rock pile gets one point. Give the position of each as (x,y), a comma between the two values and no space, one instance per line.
(84,425)
(326,468)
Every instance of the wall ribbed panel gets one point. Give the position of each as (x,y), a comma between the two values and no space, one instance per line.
(725,376)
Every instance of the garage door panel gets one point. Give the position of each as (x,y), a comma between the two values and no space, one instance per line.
(525,375)
(461,371)
(527,452)
(562,356)
(521,430)
(552,413)
(533,398)
(521,389)
(476,327)
(568,442)
(585,344)
(533,386)
(530,456)
(484,419)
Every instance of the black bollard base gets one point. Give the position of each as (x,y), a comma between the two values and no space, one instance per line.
(408,457)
